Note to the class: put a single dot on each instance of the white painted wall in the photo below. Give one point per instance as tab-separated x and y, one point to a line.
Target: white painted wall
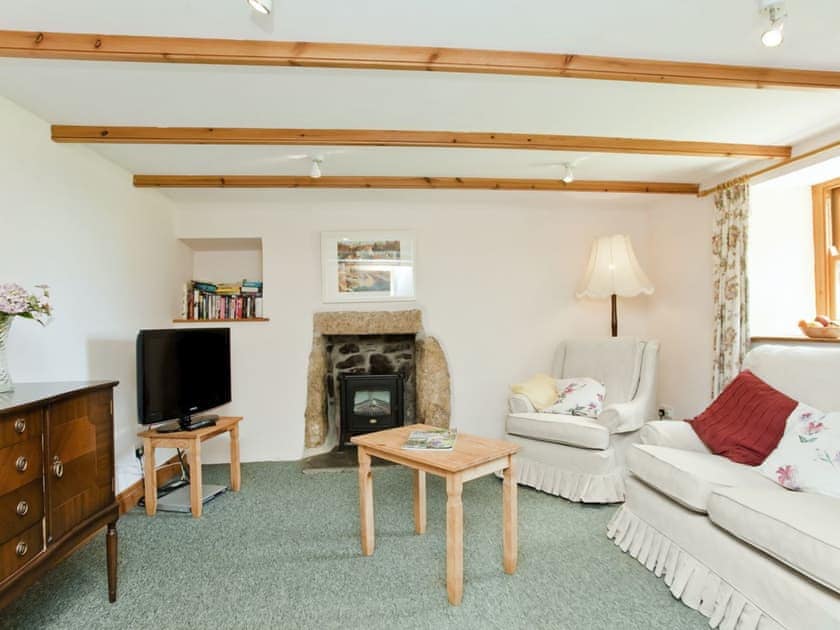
71	219
681	314
496	276
227	265
781	257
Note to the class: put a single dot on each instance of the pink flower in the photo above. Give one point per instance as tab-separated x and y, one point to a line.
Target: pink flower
814	427
786	476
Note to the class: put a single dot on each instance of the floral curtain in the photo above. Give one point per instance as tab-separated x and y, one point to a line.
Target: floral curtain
729	250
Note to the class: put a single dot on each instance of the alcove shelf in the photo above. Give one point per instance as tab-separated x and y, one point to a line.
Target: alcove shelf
222	261
219	321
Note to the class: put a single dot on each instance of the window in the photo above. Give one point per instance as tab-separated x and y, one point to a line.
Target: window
827	247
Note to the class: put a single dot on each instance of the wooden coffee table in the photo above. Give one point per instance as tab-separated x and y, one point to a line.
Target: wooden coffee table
471	458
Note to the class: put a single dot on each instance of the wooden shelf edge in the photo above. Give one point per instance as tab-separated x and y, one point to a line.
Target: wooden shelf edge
219	321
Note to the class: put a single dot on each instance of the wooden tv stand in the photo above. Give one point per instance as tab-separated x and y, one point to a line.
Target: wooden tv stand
191	442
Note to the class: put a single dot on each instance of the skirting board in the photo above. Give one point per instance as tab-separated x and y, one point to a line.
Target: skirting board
130	497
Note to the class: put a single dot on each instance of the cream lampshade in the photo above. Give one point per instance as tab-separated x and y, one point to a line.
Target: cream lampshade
613	271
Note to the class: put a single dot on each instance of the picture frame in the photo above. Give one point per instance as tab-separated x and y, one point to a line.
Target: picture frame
367	266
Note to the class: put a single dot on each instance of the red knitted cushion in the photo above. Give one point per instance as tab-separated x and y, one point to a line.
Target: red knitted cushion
747	420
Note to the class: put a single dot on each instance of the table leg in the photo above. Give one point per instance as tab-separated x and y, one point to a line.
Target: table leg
419	502
366	502
511	534
149	477
194	459
454	539
235	478
111	552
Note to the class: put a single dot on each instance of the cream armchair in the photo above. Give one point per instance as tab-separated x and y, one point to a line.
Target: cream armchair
582	459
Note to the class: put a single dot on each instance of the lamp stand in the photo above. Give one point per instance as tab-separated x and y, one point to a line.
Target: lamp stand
614	303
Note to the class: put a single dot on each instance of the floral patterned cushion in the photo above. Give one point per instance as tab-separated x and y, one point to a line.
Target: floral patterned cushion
579	397
808	455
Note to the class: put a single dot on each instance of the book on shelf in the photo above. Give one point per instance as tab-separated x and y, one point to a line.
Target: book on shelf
222	301
433	440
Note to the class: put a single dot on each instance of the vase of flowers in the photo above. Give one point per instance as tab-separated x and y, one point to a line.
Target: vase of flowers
15	301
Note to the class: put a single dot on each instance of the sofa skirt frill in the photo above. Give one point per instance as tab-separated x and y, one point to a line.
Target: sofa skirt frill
574	486
689	580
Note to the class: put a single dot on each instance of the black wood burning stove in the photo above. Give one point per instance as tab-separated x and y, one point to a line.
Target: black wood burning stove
369	402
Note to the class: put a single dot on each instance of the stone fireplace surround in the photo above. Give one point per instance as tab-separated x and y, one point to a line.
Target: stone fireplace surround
431	403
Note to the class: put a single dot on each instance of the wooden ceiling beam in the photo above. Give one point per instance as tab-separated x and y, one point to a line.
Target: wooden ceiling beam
395	138
448	183
141	48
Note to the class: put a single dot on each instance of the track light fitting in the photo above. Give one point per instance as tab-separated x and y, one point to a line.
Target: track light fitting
262	7
776	12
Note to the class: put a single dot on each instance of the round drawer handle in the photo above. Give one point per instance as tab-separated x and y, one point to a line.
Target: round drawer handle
20	425
58	467
21	464
21	549
22	508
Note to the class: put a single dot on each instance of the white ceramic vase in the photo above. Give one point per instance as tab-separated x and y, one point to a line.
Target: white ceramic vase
6	384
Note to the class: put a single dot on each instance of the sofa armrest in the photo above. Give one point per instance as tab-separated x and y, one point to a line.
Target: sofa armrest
623	417
519	403
676	434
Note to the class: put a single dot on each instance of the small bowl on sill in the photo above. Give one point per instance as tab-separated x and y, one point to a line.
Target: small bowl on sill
821	332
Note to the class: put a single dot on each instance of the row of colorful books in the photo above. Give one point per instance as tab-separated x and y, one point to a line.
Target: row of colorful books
210	301
246	287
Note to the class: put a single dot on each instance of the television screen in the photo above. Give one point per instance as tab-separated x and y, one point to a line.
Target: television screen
181	372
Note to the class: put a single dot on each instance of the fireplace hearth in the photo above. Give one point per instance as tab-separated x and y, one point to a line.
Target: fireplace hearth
369	402
372	343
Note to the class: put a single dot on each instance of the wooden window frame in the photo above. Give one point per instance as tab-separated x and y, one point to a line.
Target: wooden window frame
826	204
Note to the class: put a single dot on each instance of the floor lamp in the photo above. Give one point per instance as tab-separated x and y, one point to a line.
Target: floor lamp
613	271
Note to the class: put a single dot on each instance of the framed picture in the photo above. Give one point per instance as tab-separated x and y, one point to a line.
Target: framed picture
369	266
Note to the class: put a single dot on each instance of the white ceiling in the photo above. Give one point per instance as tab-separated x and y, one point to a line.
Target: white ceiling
725	31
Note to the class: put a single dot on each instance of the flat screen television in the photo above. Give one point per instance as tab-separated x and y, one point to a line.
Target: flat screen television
181	373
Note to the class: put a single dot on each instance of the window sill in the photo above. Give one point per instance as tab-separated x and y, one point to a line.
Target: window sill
791	339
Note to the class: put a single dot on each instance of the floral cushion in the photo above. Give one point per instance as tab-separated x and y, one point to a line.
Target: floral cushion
808	455
582	396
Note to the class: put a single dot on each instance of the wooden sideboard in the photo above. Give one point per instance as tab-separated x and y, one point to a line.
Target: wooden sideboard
56	478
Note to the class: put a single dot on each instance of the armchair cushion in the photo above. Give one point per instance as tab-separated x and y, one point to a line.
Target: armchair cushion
558	428
579	397
541	390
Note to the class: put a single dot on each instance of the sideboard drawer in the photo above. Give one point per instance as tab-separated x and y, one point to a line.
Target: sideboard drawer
20	550
21	509
20	464
19	427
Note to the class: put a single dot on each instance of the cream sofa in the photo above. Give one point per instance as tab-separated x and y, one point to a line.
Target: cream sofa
578	458
729	542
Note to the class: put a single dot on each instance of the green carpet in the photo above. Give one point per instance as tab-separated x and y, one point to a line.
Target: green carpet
284	553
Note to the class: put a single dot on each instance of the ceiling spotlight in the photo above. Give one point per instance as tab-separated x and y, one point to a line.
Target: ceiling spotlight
569	175
315	171
261	6
776	13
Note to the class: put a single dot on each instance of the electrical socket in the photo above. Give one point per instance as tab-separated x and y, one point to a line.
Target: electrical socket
138	452
666	412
